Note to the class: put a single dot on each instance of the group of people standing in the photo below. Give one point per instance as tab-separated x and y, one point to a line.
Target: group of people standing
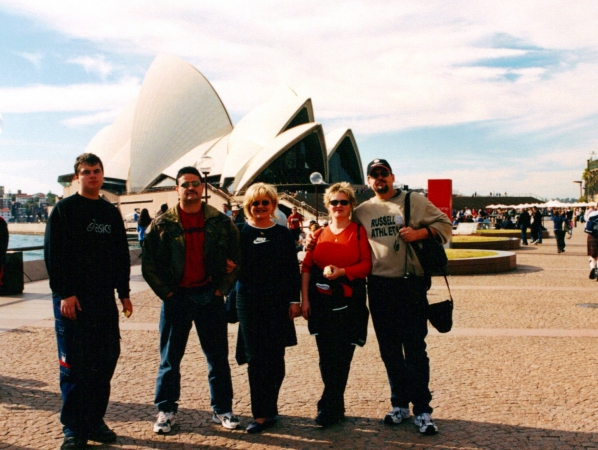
194	256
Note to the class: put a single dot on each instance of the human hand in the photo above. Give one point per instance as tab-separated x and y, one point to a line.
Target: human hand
230	266
334	272
294	310
408	234
69	307
305	309
127	307
310	242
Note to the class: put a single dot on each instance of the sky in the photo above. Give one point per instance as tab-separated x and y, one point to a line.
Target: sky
499	96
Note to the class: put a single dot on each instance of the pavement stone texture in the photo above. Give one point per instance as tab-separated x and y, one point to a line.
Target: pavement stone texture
518	371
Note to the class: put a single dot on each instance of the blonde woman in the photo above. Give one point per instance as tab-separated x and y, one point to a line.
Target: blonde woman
334	299
267	302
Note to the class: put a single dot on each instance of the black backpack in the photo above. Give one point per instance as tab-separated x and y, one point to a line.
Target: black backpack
592	226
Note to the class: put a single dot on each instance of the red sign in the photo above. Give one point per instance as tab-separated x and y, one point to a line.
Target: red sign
440	193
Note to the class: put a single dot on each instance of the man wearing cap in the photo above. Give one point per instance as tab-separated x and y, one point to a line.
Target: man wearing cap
397	290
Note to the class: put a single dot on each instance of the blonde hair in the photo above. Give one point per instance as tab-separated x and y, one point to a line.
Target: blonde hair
259	190
344	188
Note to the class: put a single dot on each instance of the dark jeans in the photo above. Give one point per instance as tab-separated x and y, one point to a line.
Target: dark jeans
524	234
537	234
560	239
88	349
178	314
336	352
399	312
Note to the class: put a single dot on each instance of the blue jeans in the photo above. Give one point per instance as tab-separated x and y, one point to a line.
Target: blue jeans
399	308
88	350
524	235
178	314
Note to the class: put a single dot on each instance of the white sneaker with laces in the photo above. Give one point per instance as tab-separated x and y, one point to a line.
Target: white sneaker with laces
164	422
425	424
396	416
227	420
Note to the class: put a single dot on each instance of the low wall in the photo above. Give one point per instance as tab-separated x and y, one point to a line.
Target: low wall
499	244
503	262
27	228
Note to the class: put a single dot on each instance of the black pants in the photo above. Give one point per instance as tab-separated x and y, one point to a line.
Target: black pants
560	239
264	352
399	309
88	350
336	353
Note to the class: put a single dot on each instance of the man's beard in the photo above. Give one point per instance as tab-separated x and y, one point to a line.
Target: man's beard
382	189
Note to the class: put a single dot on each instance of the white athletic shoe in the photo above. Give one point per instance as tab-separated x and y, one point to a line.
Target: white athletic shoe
425	424
227	420
396	416
164	422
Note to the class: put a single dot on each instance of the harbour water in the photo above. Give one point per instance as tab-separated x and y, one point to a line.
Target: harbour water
36	240
27	240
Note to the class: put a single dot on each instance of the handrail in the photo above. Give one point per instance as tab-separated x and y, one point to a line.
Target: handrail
302	204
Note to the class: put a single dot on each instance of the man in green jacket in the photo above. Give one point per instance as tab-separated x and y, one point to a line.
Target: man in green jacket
187	259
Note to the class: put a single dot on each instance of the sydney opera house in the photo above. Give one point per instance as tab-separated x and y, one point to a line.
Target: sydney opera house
179	117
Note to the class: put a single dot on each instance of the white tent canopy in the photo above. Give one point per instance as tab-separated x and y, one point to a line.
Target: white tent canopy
548	204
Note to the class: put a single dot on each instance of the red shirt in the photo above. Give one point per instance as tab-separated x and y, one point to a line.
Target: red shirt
343	250
295	221
194	272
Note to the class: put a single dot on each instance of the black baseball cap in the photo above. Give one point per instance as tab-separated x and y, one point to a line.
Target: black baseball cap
377	163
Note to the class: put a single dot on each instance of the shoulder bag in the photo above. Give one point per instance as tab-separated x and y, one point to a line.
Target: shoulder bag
434	261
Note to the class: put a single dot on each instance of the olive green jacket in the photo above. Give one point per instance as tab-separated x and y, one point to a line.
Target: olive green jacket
163	257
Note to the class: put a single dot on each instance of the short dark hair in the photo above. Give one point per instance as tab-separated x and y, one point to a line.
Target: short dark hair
88	158
188	169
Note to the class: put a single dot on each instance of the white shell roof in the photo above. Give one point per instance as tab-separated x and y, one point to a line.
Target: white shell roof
177	110
118	166
260	126
191	158
273	150
335	138
109	141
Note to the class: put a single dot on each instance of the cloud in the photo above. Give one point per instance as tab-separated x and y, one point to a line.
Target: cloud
378	65
76	97
94	64
33	58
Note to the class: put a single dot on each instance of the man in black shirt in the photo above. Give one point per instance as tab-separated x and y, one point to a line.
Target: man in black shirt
87	258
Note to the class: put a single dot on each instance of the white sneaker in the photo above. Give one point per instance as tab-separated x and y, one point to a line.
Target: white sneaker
164	422
425	424
227	420
396	416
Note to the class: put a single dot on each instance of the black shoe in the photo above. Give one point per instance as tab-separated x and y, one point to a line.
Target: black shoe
102	434
325	419
256	427
73	443
592	274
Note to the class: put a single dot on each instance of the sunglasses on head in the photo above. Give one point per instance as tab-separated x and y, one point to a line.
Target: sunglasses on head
186	184
336	202
263	203
377	173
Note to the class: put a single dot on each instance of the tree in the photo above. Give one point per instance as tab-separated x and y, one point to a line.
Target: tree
51	198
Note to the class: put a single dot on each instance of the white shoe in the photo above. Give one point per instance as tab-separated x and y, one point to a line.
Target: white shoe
396	416
227	420
164	422
425	424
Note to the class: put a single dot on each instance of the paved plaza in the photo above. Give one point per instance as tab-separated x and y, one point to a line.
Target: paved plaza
519	371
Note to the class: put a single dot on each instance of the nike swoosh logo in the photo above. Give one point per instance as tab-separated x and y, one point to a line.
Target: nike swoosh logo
260	241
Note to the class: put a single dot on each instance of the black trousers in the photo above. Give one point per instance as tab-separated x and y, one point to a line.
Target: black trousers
264	352
399	308
88	350
336	353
